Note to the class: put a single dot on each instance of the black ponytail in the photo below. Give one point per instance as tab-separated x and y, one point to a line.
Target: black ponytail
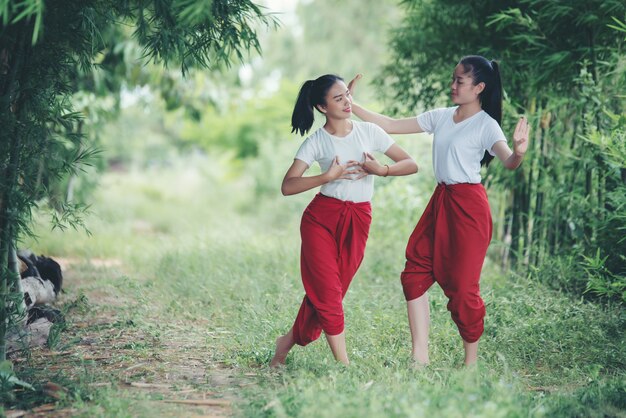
488	72
312	94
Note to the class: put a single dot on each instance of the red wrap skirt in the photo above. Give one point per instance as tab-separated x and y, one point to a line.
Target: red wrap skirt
334	233
448	246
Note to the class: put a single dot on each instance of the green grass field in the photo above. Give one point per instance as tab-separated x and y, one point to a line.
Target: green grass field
191	273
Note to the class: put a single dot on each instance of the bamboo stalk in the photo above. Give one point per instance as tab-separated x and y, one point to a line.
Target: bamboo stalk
7	211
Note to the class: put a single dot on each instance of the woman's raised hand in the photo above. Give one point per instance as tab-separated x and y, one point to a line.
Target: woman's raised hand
352	83
520	137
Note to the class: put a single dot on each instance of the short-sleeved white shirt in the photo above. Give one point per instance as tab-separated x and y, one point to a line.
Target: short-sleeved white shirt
458	148
323	147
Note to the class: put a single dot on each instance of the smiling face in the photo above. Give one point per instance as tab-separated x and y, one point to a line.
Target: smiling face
462	88
338	102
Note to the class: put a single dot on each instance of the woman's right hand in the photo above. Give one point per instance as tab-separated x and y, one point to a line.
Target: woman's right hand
352	83
338	171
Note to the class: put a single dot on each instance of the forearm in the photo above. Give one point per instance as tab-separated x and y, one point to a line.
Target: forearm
402	168
295	185
373	117
513	161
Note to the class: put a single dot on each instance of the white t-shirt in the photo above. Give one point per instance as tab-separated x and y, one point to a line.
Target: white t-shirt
458	148
322	147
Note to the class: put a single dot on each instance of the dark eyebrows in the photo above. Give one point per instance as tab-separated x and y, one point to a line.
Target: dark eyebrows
461	76
339	95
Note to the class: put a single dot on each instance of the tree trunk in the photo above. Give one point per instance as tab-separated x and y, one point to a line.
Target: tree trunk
16	282
9	210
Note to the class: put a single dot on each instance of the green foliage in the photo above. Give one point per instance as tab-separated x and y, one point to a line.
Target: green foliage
194	35
46	45
562	65
601	281
13	12
241	125
9	382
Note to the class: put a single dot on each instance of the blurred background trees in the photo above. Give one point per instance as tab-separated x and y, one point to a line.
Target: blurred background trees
57	57
85	91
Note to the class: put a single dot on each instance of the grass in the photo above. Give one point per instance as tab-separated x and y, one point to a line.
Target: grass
188	279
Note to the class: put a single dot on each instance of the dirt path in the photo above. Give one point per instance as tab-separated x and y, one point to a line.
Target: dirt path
165	366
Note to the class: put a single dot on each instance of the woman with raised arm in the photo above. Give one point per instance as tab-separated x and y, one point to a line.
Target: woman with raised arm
335	225
450	241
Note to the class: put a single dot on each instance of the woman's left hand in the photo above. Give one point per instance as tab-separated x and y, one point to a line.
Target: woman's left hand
520	137
370	165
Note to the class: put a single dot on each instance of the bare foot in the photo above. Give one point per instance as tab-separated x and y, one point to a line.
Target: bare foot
420	356
420	362
283	345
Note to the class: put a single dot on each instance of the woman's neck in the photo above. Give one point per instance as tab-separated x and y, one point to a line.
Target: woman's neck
338	127
467	110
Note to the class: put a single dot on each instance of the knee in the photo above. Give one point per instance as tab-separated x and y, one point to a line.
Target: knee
415	284
332	322
466	307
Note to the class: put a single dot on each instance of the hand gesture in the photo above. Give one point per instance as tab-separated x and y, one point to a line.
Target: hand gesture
352	83
342	171
520	137
370	165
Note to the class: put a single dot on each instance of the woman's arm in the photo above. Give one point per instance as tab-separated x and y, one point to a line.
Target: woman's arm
389	125
294	183
512	159
403	163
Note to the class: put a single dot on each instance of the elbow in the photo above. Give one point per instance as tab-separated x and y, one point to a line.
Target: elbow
286	190
413	167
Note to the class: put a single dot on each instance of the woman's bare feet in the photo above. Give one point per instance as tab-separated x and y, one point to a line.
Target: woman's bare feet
420	360
284	343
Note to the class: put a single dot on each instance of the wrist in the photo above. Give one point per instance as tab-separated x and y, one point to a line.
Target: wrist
385	171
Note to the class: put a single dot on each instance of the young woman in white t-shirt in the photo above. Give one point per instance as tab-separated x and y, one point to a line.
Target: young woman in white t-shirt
450	241
335	225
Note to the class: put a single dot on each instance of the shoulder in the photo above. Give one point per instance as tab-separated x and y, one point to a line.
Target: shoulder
430	120
489	122
437	113
366	126
372	133
315	137
312	142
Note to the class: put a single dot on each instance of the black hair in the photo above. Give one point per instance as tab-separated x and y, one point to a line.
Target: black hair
488	72
312	93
